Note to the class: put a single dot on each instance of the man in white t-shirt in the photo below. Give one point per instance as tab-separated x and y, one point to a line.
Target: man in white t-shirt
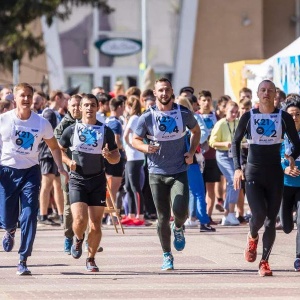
21	131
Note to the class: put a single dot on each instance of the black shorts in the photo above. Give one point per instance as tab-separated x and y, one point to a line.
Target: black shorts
115	170
91	190
48	166
211	172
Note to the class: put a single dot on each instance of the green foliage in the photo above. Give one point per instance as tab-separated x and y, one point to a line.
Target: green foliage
16	39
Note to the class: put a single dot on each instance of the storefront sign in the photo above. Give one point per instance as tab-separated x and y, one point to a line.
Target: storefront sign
119	46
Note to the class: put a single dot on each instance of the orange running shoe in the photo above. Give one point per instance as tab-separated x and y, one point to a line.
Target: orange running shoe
250	251
264	269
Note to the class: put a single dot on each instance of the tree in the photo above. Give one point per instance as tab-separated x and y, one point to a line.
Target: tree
16	39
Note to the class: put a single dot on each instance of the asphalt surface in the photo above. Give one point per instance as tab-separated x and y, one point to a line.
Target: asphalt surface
210	267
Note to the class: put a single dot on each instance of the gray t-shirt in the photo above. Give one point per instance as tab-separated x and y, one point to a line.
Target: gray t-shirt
169	159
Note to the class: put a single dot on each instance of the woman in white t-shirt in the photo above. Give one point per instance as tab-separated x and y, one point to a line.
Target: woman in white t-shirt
134	174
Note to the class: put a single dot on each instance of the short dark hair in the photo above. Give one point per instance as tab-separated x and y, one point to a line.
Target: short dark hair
114	103
291	103
90	97
281	93
148	94
102	98
163	79
267	80
204	93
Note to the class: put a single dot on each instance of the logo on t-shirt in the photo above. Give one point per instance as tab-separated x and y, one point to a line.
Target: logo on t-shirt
208	122
88	136
167	124
265	127
24	139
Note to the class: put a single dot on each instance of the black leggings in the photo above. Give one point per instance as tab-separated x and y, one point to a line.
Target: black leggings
133	172
291	198
264	187
169	190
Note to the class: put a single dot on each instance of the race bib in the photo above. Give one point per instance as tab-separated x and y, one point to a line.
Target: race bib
24	140
167	125
266	129
88	138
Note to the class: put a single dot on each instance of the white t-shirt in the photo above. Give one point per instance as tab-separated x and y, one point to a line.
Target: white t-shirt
132	153
20	139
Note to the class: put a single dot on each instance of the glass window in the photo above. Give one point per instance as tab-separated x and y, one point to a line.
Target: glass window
84	81
76	38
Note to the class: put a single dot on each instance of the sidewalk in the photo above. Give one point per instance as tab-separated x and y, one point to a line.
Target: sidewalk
211	267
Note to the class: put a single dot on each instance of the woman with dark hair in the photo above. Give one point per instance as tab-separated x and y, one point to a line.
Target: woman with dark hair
134	174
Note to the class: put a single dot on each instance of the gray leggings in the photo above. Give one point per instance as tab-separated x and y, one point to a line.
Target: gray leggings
169	190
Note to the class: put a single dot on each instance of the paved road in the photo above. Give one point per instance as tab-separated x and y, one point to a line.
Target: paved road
211	267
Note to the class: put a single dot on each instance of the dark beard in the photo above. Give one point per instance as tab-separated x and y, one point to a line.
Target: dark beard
166	102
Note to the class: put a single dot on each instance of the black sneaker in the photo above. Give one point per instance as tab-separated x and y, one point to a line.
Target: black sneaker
76	249
91	265
242	220
207	228
48	222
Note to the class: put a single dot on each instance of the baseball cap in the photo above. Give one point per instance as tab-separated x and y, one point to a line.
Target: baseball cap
187	89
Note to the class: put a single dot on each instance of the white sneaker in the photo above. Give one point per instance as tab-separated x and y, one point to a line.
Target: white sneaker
191	223
230	220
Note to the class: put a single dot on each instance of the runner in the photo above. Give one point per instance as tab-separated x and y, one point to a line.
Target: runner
21	131
90	141
164	128
264	128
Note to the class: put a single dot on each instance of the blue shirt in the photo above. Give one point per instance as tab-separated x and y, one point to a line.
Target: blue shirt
169	159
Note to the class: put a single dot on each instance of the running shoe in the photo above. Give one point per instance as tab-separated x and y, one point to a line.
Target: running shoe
91	265
22	269
76	249
68	245
8	240
127	221
219	207
242	220
191	223
48	222
179	240
168	261
250	252
207	228
230	220
297	265
138	222
264	269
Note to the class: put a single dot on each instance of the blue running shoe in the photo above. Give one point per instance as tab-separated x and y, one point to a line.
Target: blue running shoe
22	269
167	261
91	265
76	249
8	240
297	265
68	245
179	240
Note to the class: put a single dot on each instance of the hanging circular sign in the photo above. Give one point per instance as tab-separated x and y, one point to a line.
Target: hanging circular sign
119	46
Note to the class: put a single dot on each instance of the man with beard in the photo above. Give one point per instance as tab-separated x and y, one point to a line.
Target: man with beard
163	126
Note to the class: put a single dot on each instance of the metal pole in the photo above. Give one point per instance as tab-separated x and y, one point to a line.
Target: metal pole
15	71
298	18
144	33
